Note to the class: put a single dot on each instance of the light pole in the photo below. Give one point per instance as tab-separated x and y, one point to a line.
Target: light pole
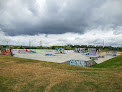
103	44
29	43
7	43
40	43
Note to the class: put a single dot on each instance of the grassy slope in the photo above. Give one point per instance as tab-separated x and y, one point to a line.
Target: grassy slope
111	63
25	75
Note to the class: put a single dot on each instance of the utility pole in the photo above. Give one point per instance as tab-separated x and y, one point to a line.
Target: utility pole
40	43
7	43
29	43
103	44
62	44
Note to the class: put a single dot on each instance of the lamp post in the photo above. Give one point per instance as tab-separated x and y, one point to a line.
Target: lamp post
103	44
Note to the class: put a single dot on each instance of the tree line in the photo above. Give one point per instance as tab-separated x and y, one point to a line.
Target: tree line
66	47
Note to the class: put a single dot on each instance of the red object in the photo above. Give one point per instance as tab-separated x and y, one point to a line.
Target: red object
10	50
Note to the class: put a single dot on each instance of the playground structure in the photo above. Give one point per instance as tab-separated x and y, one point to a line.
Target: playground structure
6	51
80	50
60	50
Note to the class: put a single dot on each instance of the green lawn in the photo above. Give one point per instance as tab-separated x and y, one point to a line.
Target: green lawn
111	63
25	75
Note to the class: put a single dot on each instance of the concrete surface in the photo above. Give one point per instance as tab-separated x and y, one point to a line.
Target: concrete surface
59	58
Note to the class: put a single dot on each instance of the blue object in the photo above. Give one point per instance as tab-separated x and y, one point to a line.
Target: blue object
48	54
81	51
114	54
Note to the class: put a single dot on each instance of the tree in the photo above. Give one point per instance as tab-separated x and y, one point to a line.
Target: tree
68	48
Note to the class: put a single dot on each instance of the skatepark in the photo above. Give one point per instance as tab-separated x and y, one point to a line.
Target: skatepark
53	56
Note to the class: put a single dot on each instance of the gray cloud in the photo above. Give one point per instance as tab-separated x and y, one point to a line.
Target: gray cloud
30	17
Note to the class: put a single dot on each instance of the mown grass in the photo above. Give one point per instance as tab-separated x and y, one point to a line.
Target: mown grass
111	63
26	75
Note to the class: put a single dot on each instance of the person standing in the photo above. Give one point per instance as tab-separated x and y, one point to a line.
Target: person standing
11	51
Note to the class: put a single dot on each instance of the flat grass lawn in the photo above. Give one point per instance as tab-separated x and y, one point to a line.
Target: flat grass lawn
25	75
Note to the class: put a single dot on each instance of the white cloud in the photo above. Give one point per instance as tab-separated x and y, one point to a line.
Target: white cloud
91	37
65	22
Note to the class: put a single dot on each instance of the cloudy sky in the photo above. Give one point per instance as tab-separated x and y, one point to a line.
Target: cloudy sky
61	22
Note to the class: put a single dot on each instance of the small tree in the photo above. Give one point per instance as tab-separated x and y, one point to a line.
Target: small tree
1	47
68	48
21	47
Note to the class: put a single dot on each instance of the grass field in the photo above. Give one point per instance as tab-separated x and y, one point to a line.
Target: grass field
25	75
